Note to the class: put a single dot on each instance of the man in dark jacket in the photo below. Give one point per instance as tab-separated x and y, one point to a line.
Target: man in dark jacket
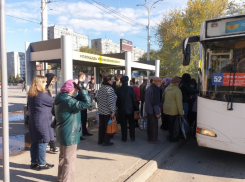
127	104
142	94
152	108
187	91
84	116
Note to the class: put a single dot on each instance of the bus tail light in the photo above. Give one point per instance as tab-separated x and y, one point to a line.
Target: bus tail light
205	132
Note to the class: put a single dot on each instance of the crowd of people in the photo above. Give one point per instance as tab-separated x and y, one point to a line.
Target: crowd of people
66	114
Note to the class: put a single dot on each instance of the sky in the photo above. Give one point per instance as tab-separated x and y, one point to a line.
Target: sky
85	17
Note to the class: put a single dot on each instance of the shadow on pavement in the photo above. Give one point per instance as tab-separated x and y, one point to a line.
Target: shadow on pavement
91	157
205	161
18	173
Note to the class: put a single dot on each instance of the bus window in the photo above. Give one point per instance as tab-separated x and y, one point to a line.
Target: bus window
224	63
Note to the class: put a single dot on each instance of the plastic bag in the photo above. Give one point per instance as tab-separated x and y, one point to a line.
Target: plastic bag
143	123
184	125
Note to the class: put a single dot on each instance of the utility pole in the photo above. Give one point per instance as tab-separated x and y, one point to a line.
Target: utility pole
44	15
149	7
4	96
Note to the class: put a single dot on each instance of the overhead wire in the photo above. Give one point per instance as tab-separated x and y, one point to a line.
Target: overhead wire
22	14
137	26
97	21
23	19
121	15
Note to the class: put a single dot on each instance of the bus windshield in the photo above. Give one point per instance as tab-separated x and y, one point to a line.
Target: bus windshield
223	70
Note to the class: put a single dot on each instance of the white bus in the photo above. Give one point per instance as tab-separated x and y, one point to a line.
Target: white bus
221	81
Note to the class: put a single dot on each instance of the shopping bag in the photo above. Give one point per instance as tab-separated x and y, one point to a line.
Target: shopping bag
112	126
184	126
136	115
143	123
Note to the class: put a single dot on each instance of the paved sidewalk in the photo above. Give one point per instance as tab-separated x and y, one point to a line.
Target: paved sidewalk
94	162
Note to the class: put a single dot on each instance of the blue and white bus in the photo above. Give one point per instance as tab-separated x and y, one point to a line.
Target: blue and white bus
221	81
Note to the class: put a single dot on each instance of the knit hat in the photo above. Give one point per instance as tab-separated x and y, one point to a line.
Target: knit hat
186	77
68	86
175	79
124	79
167	81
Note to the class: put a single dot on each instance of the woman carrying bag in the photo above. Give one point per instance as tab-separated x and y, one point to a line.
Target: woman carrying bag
107	109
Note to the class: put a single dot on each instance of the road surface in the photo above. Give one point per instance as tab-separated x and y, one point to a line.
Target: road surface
196	164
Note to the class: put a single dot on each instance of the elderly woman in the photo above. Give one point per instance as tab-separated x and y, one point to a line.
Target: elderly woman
107	108
68	127
172	106
40	106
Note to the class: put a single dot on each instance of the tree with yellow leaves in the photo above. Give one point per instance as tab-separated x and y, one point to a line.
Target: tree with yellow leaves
178	24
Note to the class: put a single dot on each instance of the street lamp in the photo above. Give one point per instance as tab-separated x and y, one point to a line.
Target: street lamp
148	7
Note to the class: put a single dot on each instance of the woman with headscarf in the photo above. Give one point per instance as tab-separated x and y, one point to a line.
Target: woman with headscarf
39	106
68	127
51	79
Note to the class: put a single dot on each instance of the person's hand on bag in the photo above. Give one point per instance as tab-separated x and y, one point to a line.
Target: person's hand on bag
112	115
158	116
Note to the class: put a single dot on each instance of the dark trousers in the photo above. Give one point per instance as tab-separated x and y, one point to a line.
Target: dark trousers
141	108
193	122
103	136
124	120
172	128
164	125
84	121
136	121
152	127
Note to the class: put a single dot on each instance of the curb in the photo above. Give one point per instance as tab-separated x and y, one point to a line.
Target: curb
146	171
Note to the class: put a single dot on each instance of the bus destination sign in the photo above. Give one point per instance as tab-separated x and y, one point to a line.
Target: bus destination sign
235	26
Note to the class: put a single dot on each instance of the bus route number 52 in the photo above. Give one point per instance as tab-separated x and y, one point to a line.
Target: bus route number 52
218	79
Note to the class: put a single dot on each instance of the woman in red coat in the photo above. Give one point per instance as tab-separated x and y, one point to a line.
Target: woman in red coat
137	93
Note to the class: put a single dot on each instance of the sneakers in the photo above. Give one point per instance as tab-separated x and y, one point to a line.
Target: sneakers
54	150
32	166
38	167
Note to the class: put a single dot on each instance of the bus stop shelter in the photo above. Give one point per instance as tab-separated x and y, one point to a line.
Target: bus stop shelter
61	51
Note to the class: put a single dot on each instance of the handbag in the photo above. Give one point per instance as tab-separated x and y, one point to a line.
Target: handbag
136	115
53	124
112	126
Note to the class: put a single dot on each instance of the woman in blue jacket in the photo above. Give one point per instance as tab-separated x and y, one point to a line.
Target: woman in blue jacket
40	105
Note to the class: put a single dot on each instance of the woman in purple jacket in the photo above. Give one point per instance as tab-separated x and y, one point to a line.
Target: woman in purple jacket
40	105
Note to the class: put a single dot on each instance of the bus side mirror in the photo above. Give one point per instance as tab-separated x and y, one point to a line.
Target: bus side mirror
187	55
